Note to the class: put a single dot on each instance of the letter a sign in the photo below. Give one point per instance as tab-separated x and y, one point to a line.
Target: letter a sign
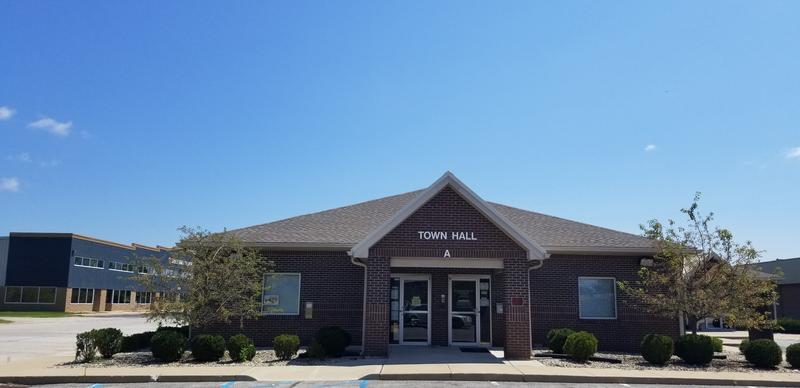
446	253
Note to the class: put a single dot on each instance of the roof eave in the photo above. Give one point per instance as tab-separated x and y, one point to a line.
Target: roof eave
590	250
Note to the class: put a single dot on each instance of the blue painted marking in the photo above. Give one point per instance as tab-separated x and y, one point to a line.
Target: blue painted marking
95	386
229	384
363	384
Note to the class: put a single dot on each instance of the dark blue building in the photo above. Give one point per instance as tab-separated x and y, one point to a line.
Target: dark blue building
70	272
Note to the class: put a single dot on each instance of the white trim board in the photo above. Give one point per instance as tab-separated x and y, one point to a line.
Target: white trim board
535	251
409	262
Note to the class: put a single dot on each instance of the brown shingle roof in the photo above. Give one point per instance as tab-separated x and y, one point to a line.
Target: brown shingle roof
347	226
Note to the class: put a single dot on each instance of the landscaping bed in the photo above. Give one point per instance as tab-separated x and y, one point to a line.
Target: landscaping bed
145	359
734	362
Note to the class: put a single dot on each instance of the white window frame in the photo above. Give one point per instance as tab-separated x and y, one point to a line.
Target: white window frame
38	294
115	263
88	266
299	290
580	312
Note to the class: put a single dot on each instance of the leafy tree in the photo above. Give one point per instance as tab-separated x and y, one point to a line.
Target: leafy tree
700	271
209	277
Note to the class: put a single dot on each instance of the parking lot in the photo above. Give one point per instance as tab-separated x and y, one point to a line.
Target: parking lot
36	338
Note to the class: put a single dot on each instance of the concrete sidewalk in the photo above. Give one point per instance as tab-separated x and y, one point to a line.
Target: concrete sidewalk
41	372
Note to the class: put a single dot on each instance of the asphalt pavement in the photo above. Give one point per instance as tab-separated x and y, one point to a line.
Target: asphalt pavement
364	384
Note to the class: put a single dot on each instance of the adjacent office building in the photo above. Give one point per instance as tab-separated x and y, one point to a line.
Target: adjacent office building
70	272
788	304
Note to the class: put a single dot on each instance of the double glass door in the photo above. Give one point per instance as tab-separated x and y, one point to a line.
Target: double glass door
410	310
470	312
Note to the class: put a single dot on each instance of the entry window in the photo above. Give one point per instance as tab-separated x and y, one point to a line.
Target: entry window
82	295
118	296
281	294
597	298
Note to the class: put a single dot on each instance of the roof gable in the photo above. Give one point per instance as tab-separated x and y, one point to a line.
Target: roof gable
448	180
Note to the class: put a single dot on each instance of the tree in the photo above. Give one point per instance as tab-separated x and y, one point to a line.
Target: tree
209	277
700	271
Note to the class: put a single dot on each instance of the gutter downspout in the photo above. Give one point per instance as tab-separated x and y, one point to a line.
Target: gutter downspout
531	268
364	305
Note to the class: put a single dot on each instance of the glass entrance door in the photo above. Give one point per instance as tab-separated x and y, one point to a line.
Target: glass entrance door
410	310
470	313
464	313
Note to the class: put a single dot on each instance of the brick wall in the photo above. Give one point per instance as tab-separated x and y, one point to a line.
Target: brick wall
554	296
329	280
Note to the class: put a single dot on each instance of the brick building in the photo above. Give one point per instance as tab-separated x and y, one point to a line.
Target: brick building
441	266
74	273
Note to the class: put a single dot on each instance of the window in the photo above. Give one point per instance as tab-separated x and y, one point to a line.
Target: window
88	262
144	297
281	294
143	269
33	295
82	295
118	296
117	266
597	298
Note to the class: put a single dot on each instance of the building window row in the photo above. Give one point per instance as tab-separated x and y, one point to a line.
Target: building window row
144	297
118	296
123	267
88	262
33	295
82	295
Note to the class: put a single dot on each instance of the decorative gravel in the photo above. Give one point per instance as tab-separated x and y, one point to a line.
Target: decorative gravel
735	362
145	359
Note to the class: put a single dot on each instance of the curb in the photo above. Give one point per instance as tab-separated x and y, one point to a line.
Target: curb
121	379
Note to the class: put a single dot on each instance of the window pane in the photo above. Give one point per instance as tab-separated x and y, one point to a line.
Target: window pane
100	264
30	294
74	297
596	298
13	294
281	294
47	295
78	261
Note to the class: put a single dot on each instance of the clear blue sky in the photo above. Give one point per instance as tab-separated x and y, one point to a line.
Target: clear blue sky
125	120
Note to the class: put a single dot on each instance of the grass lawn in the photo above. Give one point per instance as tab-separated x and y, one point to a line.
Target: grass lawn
2	321
35	314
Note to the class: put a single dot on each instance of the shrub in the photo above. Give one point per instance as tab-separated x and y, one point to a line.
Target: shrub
168	345
108	341
743	346
286	346
241	348
657	349
695	349
763	353
86	349
207	347
134	342
184	330
334	340
315	350
789	325
556	339
717	342
793	355
581	346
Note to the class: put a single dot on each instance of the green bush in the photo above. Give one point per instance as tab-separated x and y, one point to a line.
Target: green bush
717	342
241	348
184	330
581	346
657	349
168	345
286	346
315	350
695	349
789	325
207	347
763	353
86	349
793	355
135	342
108	341
334	340
743	346
556	339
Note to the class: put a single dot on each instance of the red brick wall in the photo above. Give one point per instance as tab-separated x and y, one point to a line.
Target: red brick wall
447	212
554	295
329	280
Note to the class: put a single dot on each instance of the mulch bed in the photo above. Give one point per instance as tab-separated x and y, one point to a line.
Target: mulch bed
144	359
734	362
